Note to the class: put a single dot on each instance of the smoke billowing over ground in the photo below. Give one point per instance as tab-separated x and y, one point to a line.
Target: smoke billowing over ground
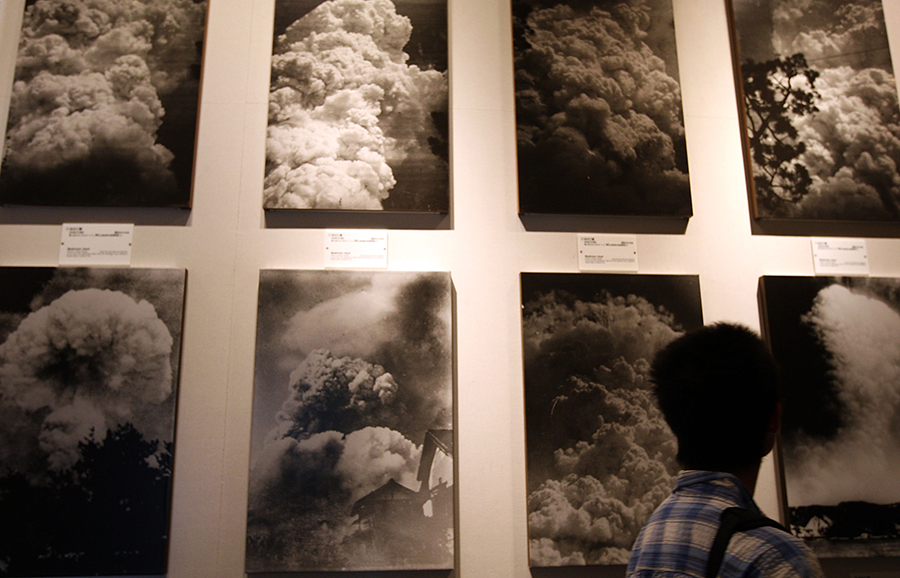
104	103
600	456
353	124
852	140
353	369
79	357
841	441
598	109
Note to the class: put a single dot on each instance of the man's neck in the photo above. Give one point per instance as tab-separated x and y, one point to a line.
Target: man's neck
748	477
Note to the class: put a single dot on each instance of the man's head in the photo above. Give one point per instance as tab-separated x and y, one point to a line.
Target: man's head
717	388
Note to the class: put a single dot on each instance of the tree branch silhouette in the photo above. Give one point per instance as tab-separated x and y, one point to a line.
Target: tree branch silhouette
775	91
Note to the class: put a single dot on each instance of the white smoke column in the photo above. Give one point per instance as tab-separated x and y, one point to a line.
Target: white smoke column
853	143
373	456
63	428
353	323
92	358
305	489
345	107
89	78
862	336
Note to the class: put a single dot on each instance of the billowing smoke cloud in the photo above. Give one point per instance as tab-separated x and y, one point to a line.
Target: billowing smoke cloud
355	322
612	326
89	79
345	108
330	463
348	425
862	461
601	457
330	447
832	32
399	320
341	394
595	103
302	493
89	360
853	145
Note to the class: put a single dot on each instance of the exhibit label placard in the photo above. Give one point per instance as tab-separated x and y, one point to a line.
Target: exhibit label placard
840	257
607	253
356	249
84	244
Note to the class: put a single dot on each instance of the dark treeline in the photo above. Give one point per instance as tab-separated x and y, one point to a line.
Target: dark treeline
106	515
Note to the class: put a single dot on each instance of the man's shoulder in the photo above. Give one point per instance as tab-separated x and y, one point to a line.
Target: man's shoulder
676	542
770	552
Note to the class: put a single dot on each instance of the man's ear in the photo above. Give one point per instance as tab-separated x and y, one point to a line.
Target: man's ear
773	429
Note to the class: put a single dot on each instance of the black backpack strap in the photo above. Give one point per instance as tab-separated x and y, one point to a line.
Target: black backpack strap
733	520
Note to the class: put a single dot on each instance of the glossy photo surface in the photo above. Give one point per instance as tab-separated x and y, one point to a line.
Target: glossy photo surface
600	128
818	105
358	106
600	456
105	104
352	446
88	381
837	342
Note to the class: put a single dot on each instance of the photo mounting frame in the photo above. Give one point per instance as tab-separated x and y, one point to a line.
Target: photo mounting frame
817	103
352	444
836	341
89	362
600	127
600	457
105	105
359	107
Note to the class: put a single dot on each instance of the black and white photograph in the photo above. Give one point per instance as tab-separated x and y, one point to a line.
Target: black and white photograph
600	457
837	343
352	444
88	377
359	106
105	104
600	127
818	108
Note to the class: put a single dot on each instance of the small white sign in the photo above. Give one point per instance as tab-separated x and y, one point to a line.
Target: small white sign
356	249
96	244
607	252
840	256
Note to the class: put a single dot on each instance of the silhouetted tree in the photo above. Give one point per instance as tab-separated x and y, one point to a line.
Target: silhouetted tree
106	515
774	92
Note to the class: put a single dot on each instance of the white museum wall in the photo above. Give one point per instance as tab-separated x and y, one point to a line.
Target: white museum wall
224	241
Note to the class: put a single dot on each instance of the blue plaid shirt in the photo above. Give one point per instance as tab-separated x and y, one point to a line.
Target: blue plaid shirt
675	542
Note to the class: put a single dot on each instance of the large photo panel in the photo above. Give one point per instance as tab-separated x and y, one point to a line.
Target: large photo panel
600	456
818	109
600	128
359	106
352	446
105	104
88	380
837	343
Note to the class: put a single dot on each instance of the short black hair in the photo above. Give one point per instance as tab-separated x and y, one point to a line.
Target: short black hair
717	388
